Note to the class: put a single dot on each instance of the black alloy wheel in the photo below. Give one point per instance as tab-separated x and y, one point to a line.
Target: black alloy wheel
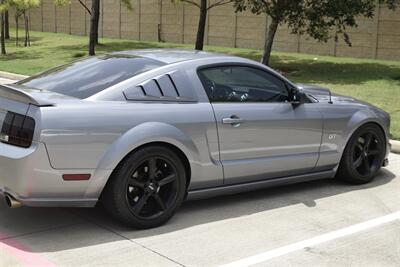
146	188
152	188
363	156
366	154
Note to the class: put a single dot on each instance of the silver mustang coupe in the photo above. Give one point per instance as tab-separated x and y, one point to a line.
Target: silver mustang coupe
141	131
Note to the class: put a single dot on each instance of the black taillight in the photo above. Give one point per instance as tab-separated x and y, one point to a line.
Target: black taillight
17	130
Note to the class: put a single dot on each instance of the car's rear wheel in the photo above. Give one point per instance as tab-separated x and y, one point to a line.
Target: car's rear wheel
146	188
363	155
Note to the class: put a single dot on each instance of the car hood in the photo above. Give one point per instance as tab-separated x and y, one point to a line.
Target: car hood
324	94
321	94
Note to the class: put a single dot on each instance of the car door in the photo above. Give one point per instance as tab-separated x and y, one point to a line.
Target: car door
261	134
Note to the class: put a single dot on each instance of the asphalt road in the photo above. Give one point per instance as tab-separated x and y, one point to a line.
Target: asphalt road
320	223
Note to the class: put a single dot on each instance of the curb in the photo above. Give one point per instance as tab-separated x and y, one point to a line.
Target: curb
395	146
12	76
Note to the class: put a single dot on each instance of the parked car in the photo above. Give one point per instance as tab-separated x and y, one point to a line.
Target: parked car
141	131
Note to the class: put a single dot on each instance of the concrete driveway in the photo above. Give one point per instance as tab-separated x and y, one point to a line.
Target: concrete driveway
321	223
284	226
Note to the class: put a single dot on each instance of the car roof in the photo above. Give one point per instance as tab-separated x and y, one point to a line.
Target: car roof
170	56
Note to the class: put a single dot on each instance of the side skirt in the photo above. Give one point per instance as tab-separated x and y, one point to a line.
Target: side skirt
238	188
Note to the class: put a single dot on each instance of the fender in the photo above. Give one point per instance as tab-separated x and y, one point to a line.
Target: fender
143	134
361	118
334	142
358	119
140	135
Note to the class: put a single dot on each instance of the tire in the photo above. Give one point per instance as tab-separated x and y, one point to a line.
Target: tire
146	188
363	155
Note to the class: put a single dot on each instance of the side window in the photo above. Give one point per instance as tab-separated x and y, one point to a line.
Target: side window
242	84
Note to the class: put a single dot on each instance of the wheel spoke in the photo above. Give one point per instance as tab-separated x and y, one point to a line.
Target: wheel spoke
160	202
368	139
366	165
152	168
140	204
169	179
357	162
359	146
136	183
373	152
132	197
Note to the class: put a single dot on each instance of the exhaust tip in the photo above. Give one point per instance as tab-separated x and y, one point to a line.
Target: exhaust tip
11	202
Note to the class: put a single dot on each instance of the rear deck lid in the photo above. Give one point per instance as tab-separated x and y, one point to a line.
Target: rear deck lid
26	95
23	95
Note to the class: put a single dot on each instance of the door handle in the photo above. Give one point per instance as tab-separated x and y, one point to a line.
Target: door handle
233	120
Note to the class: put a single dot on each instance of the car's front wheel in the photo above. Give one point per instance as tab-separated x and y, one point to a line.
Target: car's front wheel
146	188
363	155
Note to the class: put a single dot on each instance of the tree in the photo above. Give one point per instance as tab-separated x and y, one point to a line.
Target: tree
6	25
2	26
5	5
85	7
94	24
17	15
94	27
21	8
317	18
204	7
94	13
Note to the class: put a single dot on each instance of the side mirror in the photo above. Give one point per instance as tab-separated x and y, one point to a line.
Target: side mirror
295	96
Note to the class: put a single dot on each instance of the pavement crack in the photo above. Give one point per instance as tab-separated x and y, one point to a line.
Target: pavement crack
132	241
39	231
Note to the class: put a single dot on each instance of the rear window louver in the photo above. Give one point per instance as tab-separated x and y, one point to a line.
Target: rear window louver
162	88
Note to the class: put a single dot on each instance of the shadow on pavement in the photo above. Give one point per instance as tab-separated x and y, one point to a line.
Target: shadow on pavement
56	229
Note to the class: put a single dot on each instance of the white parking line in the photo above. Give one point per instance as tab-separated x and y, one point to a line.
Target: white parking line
262	257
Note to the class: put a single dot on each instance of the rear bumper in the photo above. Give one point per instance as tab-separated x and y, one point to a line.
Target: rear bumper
52	202
26	174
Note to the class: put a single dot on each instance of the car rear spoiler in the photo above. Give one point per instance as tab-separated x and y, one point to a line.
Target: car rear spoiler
22	94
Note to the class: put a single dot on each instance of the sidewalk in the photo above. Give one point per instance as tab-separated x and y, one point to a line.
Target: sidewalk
395	146
11	76
5	81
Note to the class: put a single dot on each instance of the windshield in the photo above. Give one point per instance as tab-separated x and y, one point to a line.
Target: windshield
90	76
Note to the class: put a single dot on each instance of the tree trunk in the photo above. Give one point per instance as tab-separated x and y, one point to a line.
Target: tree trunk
202	25
28	34
26	30
94	26
269	40
2	34
7	26
16	28
98	18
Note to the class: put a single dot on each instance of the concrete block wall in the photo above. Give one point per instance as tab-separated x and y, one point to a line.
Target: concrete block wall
388	34
153	20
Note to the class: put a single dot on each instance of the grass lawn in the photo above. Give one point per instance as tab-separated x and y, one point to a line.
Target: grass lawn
374	81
